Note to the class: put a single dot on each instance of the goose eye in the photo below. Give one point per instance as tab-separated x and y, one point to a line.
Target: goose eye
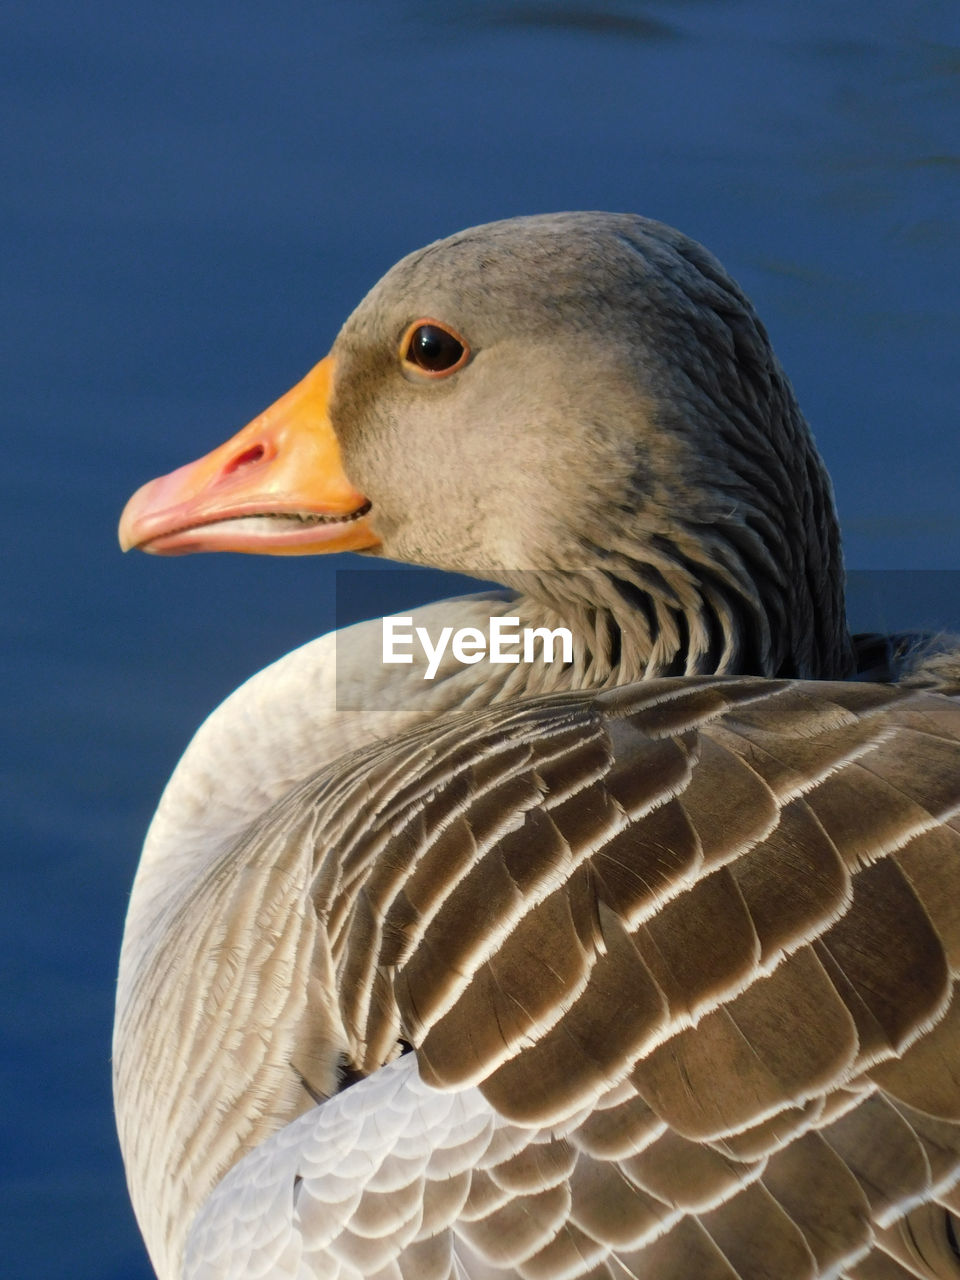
433	349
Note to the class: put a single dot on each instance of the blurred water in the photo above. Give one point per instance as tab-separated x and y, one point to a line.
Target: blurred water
195	195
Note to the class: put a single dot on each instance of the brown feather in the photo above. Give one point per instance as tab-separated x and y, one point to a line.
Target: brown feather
813	1185
888	951
930	862
780	1041
685	1252
883	1153
759	1238
927	1075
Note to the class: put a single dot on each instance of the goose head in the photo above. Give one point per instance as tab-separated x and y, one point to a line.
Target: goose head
582	405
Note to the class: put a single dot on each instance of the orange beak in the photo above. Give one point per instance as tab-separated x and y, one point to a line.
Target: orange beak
276	488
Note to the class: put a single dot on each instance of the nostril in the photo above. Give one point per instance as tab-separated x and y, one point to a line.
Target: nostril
253	454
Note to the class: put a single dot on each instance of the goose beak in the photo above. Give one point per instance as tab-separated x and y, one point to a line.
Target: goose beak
276	488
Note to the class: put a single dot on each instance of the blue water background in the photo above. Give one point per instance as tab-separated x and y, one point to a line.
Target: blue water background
193	197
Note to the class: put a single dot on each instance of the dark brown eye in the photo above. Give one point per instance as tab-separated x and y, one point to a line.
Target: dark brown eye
432	348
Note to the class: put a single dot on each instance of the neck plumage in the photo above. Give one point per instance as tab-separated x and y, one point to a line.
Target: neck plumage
688	611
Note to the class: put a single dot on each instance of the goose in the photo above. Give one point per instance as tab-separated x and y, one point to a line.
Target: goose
634	961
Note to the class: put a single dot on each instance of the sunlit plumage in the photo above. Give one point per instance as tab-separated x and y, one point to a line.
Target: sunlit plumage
671	933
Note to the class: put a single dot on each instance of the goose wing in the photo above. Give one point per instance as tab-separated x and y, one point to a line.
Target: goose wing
678	966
